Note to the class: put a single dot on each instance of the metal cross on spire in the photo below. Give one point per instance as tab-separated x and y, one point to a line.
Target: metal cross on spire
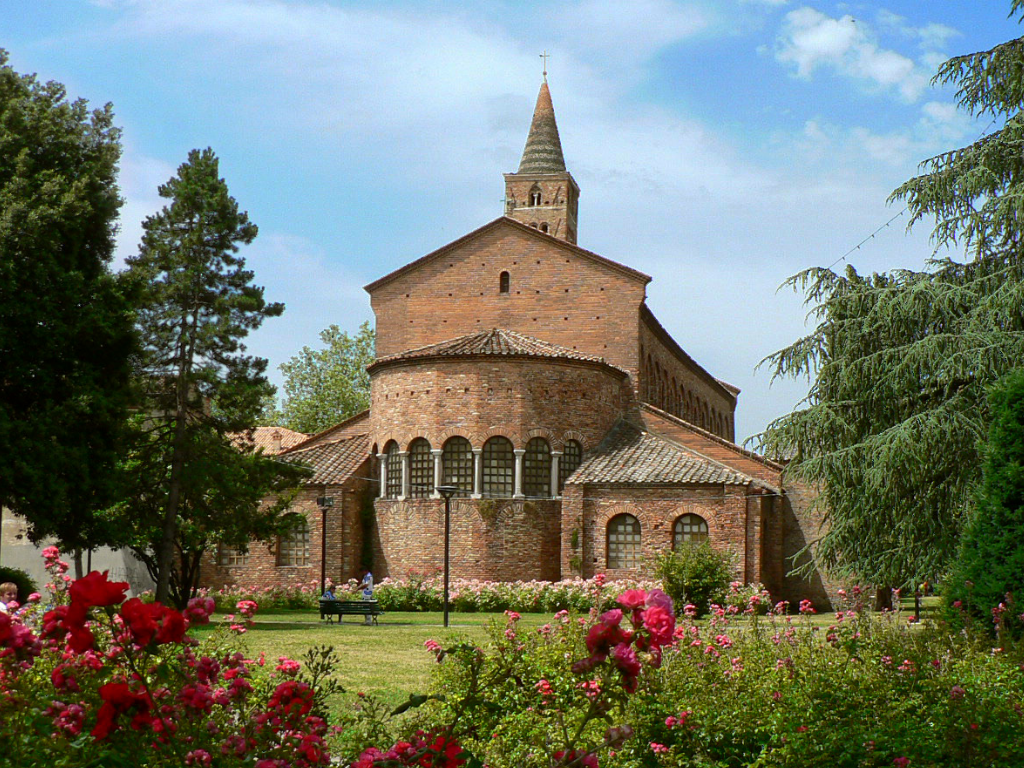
545	56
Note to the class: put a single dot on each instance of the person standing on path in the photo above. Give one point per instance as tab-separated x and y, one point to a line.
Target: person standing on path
367	586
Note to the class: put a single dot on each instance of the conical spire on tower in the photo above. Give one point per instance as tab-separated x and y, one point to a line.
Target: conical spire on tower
543	152
542	193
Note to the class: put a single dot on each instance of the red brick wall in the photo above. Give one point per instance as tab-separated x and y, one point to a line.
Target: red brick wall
558	208
555	295
344	543
657	509
676	386
518	399
497	539
803	525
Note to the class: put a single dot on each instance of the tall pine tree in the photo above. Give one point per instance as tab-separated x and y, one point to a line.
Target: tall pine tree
193	487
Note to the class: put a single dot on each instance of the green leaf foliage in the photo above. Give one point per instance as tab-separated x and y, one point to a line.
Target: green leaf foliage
695	574
326	386
900	363
990	566
65	326
190	485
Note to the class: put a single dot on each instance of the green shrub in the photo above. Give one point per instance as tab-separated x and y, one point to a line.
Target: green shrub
26	586
698	575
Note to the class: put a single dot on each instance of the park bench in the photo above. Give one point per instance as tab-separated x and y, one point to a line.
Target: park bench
339	608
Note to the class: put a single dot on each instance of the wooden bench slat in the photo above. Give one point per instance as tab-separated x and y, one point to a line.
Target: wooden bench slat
341	608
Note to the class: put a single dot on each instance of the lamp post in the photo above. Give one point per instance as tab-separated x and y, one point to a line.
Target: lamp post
325	503
447	491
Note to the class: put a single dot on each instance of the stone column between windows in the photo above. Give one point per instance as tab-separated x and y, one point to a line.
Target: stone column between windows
382	459
437	453
556	457
517	483
478	472
404	455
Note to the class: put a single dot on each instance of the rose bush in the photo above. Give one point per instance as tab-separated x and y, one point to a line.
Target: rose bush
627	687
95	679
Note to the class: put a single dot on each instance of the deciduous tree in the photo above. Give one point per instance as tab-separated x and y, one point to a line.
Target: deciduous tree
65	327
325	386
900	363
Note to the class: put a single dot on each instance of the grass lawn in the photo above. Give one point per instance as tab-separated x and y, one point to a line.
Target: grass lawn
388	660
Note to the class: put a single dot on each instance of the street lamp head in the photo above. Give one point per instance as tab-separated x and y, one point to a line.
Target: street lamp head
325	501
447	491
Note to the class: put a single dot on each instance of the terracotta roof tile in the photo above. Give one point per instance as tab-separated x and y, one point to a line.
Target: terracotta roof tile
271	439
335	462
497	341
630	455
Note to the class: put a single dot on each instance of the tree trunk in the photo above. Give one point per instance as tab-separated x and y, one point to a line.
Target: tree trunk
883	599
78	564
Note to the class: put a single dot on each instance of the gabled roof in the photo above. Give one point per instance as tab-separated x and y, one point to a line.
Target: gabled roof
632	456
499	342
505	221
700	442
543	152
333	462
270	439
348	428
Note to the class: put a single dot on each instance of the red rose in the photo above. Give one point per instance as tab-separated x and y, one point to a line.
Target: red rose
94	590
119	699
153	622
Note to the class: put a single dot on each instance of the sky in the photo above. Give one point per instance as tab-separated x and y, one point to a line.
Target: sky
721	146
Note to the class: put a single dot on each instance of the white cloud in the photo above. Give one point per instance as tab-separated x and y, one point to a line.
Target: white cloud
619	34
810	40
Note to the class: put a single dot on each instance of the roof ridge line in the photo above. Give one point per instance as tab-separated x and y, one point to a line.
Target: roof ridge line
712	436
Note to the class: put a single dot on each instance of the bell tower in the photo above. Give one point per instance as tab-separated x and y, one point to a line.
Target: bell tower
542	194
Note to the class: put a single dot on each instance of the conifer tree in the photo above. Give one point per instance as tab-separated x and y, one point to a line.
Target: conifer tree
193	487
900	363
65	328
991	561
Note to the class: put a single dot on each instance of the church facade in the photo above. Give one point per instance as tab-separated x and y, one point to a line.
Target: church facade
530	374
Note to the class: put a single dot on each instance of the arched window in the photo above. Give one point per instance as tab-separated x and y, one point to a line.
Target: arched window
421	469
503	282
535	196
543	226
689	530
624	542
394	471
457	464
293	547
572	457
499	467
537	468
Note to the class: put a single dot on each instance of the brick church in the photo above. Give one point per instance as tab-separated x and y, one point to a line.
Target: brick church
530	373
